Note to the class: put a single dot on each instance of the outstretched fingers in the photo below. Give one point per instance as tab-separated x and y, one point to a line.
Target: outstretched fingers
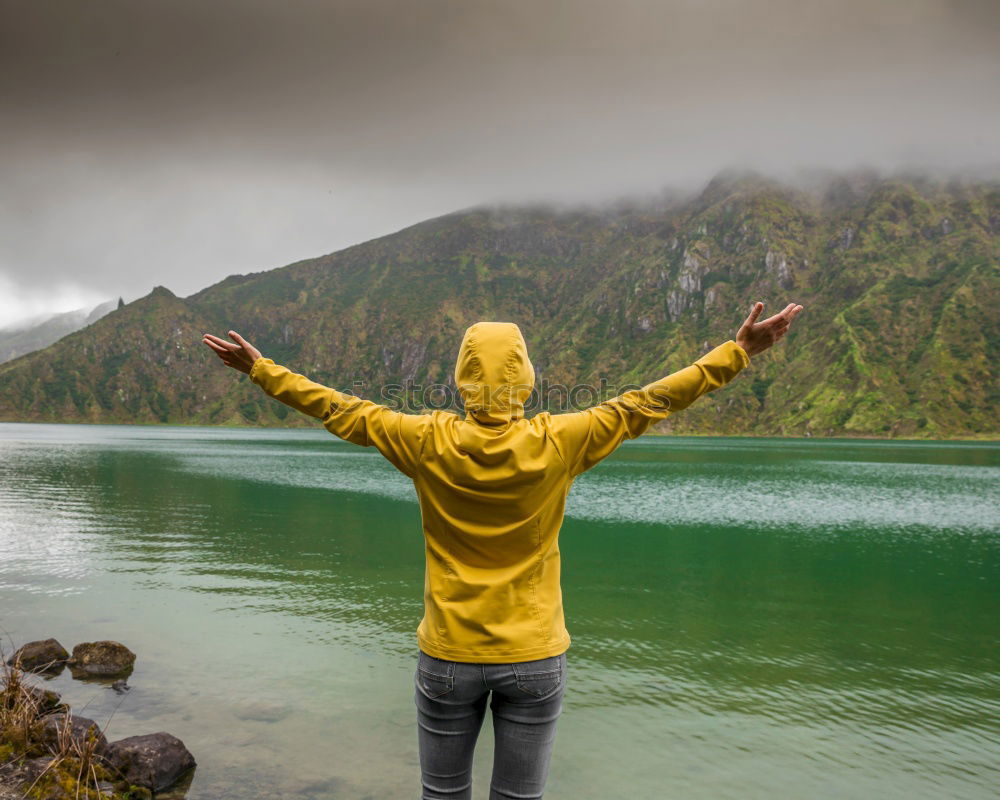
752	317
217	348
787	316
784	317
756	337
239	355
219	344
251	352
226	351
775	319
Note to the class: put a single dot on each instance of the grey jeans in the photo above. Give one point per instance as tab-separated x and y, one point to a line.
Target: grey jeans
451	703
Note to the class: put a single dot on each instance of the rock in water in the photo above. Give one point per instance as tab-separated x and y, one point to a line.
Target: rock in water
155	760
45	655
80	728
105	658
45	699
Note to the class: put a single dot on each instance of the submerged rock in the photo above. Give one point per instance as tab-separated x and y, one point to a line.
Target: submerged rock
45	655
262	711
155	760
102	659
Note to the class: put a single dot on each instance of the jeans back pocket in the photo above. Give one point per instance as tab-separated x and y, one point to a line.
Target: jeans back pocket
540	678
435	677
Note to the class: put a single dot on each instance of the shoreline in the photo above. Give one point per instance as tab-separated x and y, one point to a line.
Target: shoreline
973	437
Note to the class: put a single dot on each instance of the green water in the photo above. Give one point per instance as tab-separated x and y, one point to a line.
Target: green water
750	618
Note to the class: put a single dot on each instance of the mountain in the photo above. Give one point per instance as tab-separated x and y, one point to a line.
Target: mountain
899	336
43	331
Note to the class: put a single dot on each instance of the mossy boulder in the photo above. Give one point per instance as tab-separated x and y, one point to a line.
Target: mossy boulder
78	729
154	760
17	774
44	655
49	778
46	701
43	700
103	659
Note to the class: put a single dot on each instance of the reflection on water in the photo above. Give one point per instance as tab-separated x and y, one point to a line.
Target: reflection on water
750	618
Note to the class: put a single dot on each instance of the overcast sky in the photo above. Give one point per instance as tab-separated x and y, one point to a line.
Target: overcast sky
175	142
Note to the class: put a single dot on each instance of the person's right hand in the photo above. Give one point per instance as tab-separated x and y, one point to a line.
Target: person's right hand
755	337
239	356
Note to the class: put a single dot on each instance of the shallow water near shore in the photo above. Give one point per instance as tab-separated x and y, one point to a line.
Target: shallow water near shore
751	618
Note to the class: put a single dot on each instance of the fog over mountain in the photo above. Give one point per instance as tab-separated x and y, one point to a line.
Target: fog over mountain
177	143
36	333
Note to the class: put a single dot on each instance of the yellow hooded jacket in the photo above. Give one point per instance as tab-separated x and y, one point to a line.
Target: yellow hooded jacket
492	486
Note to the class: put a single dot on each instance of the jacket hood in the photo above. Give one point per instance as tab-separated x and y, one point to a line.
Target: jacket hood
493	374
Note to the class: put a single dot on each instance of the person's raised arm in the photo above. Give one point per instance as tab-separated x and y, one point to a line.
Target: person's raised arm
586	437
396	435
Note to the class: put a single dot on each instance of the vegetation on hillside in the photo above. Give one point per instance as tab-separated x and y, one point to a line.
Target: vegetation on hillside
899	279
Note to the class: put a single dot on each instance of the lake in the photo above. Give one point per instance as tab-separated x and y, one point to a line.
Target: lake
751	618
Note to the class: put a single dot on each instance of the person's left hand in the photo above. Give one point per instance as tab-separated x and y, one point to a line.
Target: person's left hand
239	356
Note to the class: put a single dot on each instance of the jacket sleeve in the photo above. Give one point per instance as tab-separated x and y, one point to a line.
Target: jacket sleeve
583	438
395	435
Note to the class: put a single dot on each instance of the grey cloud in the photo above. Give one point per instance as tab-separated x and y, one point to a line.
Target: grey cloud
155	142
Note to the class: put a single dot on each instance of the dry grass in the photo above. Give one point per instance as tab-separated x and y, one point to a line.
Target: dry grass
20	710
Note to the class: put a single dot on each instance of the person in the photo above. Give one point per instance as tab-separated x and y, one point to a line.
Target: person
492	488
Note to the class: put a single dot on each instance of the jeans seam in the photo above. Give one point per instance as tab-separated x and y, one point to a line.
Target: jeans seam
539	673
536	674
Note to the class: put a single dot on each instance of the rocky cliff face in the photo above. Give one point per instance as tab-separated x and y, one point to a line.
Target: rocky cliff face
899	338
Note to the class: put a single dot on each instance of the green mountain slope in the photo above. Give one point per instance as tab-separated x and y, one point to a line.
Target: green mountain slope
899	337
